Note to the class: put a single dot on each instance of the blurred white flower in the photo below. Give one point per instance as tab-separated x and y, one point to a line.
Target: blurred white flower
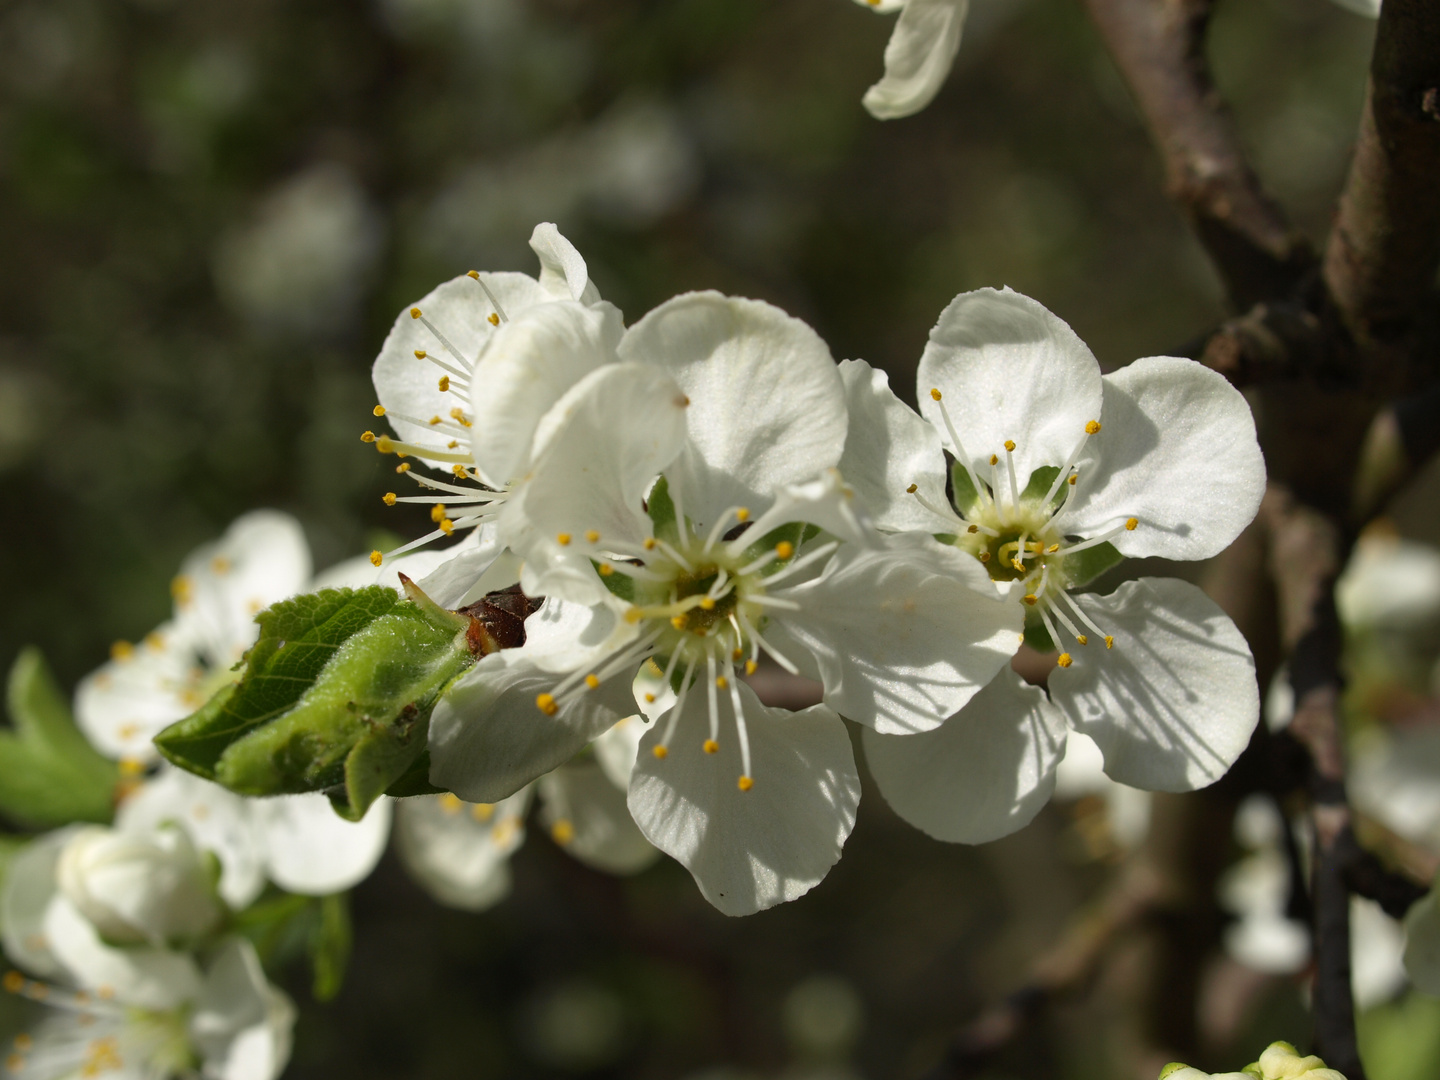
1394	777
1389	583
301	265
1081	772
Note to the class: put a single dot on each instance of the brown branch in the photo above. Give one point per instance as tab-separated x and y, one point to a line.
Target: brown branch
1384	250
1159	48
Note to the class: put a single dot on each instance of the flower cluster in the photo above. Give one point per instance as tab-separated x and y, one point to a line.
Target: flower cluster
706	490
1280	1061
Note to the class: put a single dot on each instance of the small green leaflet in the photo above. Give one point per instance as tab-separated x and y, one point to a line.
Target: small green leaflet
49	774
335	696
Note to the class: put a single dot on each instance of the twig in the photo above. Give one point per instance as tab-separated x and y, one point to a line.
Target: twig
1365	875
1159	48
1384	250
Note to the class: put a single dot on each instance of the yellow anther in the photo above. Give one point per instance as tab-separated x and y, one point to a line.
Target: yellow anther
684	401
1009	446
912	489
444	383
633	615
24	1042
437	513
155	641
649	698
1018	564
379	410
458	415
973	529
707	604
14	982
750	667
592	680
122	650
1052	549
458	470
742	514
1083	640
934	393
482	811
660	752
181	588
105	993
375	558
606	569
1131	523
679	622
1064	660
1109	640
562	539
649	543
1092	427
385	444
784	549
388	498
721	682
474	275
1030	599
420	354
452	444
736	653
1073	477
591	536
494	319
367	436
546	704
984	556
403	467
562	832
450	803
994	459
745	783
447	526
435	420
711	746
414	312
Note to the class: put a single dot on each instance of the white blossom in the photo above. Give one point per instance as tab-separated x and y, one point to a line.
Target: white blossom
221	587
1052	462
918	56
1280	1061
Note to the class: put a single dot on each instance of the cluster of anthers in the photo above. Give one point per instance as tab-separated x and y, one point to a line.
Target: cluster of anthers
701	604
479	503
1014	535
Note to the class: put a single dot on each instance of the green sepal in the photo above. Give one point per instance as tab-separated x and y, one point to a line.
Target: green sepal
621	585
351	717
330	944
963	492
948	539
1036	636
49	774
1039	484
1085	566
1171	1069
415	780
661	508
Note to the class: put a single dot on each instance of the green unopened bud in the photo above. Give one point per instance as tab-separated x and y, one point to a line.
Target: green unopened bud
335	696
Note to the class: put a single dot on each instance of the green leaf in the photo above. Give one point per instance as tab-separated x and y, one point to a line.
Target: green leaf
336	695
1085	566
298	637
661	509
965	496
49	774
330	946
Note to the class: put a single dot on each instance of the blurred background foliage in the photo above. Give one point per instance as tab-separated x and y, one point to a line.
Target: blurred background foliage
210	213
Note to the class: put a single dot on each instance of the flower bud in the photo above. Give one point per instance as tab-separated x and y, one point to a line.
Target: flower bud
153	888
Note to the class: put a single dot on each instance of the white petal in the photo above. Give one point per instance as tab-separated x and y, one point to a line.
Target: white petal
562	271
827	502
216	820
1175	701
561	637
903	635
242	1025
750	850
477	565
460	852
1178	452
138	975
461	311
609	437
1377	950
617	749
1009	369
261	559
29	887
525	367
982	774
1422	943
123	705
311	850
587	815
1394	777
488	738
918	57
888	448
767	407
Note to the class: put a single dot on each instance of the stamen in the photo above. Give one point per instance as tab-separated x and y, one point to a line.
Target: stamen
710	694
960	455
759	641
1091	428
1010	472
474	275
741	731
799	564
679	707
416	313
1128	525
944	513
387	445
1089	622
